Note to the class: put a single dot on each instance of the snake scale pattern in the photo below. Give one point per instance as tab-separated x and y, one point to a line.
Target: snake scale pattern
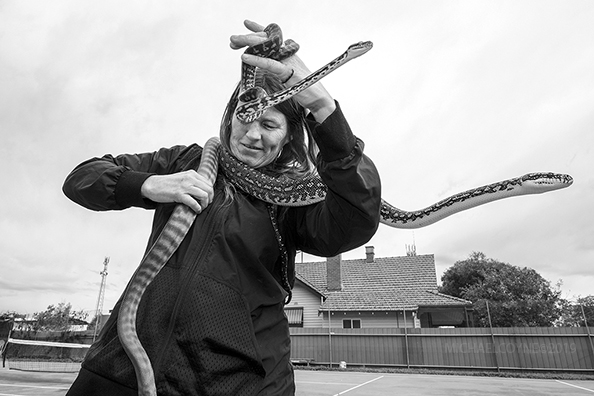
254	101
154	260
284	191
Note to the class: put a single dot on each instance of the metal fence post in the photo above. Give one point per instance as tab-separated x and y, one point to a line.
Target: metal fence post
406	340
330	335
492	336
588	331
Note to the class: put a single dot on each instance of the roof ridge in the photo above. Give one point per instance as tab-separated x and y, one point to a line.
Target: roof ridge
388	283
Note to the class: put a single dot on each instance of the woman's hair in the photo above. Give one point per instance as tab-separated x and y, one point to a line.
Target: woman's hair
297	157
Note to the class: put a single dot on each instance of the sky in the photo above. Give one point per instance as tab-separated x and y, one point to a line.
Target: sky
454	95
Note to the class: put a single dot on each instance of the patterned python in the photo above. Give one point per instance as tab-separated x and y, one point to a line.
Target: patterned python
254	101
285	192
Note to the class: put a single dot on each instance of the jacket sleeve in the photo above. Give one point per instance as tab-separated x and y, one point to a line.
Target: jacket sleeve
349	215
113	182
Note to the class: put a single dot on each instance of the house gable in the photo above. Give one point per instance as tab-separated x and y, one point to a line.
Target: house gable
377	289
309	300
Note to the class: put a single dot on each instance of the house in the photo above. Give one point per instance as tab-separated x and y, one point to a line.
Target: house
26	323
75	324
389	292
29	323
101	320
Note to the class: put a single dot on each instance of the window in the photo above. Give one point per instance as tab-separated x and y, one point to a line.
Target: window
351	323
294	316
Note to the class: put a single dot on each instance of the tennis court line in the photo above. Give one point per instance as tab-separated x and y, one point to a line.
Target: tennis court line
324	383
358	386
575	386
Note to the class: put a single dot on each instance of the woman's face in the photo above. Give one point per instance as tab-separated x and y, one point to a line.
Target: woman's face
260	142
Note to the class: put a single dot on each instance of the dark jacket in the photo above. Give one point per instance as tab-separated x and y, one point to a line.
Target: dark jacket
212	321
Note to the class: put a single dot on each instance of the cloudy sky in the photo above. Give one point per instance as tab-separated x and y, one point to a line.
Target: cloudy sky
454	95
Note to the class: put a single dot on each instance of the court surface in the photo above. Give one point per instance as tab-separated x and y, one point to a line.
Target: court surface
334	383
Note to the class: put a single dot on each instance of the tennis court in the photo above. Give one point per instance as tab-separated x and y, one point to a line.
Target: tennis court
332	383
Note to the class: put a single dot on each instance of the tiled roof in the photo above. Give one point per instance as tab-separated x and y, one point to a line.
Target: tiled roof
390	283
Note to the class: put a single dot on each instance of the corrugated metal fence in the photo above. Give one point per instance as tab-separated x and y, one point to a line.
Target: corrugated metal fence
521	348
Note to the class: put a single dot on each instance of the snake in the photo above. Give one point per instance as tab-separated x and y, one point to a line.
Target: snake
285	191
151	264
254	100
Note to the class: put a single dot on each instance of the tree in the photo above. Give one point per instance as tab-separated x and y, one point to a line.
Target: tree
572	315
58	317
516	296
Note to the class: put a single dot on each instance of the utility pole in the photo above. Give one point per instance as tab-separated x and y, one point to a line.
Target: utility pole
99	308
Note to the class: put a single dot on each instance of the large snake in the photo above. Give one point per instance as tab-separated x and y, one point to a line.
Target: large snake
153	261
254	100
285	192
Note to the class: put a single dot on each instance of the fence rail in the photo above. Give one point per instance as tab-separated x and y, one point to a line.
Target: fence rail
516	348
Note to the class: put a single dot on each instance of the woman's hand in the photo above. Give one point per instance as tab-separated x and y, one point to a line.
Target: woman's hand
315	98
189	188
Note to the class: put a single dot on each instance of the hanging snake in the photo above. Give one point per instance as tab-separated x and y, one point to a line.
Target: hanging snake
284	191
254	100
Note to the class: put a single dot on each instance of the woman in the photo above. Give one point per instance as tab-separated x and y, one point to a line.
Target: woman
212	321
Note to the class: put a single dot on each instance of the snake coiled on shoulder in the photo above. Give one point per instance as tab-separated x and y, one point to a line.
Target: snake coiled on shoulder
254	101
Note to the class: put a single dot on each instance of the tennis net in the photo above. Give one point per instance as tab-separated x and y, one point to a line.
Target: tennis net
35	355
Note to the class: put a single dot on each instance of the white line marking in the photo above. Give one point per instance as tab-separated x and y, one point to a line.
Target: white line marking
31	386
575	386
326	383
358	386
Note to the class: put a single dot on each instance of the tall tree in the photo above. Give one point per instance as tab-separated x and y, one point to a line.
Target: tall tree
515	296
58	317
572	314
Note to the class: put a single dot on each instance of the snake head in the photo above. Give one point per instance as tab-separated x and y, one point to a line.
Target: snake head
252	94
542	182
358	49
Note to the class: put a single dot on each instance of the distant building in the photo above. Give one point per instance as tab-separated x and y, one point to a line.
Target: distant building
77	325
29	323
24	324
373	292
103	320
